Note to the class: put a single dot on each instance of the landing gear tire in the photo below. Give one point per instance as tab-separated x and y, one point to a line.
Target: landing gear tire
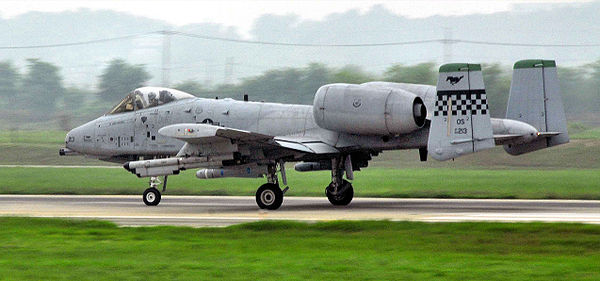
343	196
151	196
269	196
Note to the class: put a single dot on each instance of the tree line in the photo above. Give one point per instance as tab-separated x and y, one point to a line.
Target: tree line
580	85
38	95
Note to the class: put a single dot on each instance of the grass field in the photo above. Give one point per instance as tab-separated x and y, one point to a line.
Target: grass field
374	182
567	171
588	134
37	137
47	249
41	148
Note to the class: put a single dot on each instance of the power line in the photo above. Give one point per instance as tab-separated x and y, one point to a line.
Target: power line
444	40
258	42
524	44
215	38
76	43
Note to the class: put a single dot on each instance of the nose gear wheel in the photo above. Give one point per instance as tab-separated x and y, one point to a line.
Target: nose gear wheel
151	196
269	196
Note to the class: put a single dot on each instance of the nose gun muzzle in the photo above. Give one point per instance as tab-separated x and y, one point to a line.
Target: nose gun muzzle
67	152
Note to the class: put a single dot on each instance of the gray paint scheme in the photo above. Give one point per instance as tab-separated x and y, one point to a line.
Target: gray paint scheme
535	99
364	110
111	135
456	132
236	133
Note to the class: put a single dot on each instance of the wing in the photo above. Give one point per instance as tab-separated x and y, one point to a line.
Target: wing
205	133
213	146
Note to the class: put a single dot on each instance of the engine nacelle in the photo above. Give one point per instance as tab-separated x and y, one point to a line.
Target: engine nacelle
358	109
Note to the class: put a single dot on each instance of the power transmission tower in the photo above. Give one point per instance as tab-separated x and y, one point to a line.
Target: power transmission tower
448	41
208	70
229	63
166	57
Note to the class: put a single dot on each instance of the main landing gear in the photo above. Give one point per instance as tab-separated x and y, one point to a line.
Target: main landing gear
340	191
340	196
269	196
151	195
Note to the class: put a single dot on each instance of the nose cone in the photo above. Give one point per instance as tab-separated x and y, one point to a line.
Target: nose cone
81	138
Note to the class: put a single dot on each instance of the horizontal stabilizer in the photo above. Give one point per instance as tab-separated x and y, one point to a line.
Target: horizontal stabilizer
548	134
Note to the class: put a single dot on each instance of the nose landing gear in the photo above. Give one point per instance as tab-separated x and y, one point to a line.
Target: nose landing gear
269	196
152	195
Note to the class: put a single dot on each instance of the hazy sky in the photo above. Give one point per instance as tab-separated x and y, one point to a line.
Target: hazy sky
241	14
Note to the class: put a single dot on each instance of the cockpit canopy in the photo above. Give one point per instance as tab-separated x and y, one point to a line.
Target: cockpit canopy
147	97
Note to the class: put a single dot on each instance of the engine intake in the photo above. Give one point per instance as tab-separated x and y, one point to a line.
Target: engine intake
358	109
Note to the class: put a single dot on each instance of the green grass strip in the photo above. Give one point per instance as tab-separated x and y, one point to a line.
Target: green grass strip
49	249
375	182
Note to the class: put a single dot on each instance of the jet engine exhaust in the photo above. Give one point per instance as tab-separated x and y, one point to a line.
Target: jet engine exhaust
419	112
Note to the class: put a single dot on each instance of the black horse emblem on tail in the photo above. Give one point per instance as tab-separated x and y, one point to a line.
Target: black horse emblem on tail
453	80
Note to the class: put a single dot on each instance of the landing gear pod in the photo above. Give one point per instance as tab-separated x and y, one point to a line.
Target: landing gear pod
244	171
358	109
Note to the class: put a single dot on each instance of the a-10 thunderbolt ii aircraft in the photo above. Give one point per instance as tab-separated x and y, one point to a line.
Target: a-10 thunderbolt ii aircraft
157	132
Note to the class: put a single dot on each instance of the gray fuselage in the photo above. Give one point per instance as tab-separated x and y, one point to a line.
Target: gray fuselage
133	134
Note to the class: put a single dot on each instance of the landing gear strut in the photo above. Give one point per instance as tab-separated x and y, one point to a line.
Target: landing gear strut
269	196
340	191
151	195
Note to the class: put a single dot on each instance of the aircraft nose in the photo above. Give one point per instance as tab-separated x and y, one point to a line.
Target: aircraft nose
70	139
67	137
80	138
74	139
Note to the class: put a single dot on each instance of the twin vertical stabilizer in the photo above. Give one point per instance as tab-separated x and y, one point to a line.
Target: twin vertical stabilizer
461	122
535	99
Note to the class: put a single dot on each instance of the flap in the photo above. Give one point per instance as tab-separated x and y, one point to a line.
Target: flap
312	146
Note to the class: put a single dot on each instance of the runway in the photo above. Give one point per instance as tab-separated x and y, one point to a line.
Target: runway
201	211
